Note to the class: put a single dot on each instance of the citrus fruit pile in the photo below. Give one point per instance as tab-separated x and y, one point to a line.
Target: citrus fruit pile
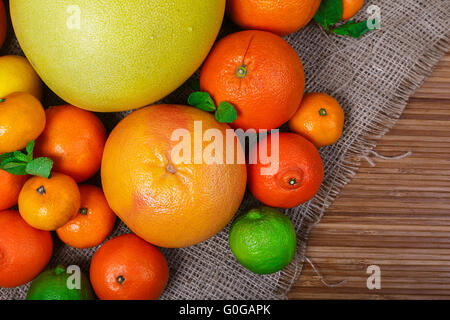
174	174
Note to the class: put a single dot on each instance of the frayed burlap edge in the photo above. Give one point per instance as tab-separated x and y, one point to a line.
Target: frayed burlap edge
359	150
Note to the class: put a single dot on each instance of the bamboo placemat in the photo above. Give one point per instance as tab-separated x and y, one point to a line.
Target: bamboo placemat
395	215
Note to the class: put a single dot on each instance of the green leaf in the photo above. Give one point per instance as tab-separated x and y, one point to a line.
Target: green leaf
352	29
19	163
202	100
226	113
19	156
17	168
40	167
329	13
30	149
8	160
6	156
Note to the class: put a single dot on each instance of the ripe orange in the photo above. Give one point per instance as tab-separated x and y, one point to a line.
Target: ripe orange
93	223
260	74
320	119
24	251
22	119
74	139
2	23
48	204
296	176
167	201
10	186
282	17
351	8
128	268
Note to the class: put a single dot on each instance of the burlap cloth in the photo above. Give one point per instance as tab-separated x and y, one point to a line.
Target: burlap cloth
372	77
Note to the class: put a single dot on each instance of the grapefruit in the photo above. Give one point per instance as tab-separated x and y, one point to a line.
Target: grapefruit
111	56
166	201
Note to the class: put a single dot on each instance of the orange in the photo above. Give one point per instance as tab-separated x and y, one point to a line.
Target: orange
260	74
2	23
22	119
93	223
320	119
282	16
48	204
128	268
10	186
74	139
351	8
24	251
165	199
295	176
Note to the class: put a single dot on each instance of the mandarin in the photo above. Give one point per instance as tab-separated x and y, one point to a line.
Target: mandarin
93	223
282	17
24	250
291	178
48	204
128	268
351	8
320	119
74	139
10	186
260	74
22	119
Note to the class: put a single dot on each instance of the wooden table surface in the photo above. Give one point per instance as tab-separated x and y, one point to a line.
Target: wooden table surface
395	215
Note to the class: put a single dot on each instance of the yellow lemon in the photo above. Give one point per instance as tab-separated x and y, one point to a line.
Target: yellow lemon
116	55
17	75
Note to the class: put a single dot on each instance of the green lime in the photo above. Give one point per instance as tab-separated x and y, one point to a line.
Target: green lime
58	284
263	240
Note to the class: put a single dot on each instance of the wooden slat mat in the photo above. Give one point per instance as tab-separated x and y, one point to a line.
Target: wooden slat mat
395	215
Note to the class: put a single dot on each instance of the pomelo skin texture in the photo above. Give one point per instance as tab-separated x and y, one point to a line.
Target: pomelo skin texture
166	202
109	56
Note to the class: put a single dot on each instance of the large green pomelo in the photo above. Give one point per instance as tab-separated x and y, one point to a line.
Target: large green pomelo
122	54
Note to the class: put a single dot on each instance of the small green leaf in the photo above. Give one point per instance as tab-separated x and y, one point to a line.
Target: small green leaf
352	29
329	13
19	163
19	156
40	167
8	160
17	168
30	149
6	156
202	100
226	113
